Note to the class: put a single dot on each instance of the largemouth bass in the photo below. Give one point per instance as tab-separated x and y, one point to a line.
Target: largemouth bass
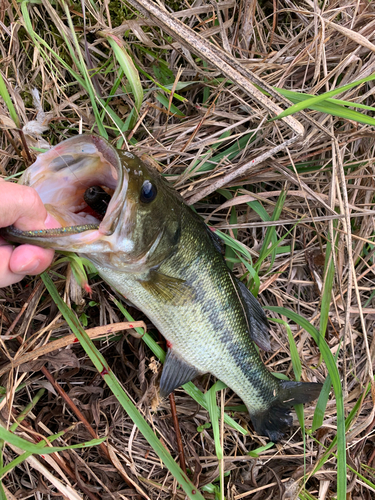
151	247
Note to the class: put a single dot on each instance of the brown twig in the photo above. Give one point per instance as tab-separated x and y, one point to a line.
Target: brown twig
13	143
25	146
139	122
74	407
180	446
274	22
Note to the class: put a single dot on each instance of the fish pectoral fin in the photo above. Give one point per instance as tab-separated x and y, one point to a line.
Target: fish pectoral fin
173	291
176	372
256	319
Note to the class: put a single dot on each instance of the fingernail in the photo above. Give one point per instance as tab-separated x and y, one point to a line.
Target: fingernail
50	222
29	267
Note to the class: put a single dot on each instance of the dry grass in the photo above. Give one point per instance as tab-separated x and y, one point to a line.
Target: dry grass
329	179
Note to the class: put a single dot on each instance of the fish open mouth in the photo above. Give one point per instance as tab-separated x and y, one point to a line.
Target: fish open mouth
64	175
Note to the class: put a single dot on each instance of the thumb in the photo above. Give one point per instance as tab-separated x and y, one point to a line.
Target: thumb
22	207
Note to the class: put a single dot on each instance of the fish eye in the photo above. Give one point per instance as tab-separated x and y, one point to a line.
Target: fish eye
148	192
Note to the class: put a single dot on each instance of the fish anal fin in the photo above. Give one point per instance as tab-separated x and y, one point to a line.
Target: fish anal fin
176	372
173	291
256	318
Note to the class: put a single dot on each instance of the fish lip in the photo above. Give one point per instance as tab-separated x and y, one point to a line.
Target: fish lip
115	207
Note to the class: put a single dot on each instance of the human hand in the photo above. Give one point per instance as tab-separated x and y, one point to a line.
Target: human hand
22	207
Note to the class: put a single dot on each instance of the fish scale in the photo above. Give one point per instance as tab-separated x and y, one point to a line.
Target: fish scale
161	256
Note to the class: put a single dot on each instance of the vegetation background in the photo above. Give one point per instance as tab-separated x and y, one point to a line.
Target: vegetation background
298	227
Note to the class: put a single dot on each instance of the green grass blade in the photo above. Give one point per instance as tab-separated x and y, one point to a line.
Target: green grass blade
127	66
321	404
244	256
214	416
79	266
334	107
8	101
80	62
40	43
296	362
301	96
329	453
15	440
320	98
18	460
258	451
165	102
271	235
297	368
301	419
335	377
166	88
146	337
259	209
116	388
230	153
236	245
27	409
323	400
84	82
254	289
49	55
21	458
329	273
2	492
20	418
362	478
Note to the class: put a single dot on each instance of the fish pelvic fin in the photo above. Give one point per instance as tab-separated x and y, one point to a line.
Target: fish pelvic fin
276	420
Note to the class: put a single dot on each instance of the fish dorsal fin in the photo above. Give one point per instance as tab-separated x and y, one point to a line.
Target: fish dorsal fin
256	319
218	242
176	372
170	290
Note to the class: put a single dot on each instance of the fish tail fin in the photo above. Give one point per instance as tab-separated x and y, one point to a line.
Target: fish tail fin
274	421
